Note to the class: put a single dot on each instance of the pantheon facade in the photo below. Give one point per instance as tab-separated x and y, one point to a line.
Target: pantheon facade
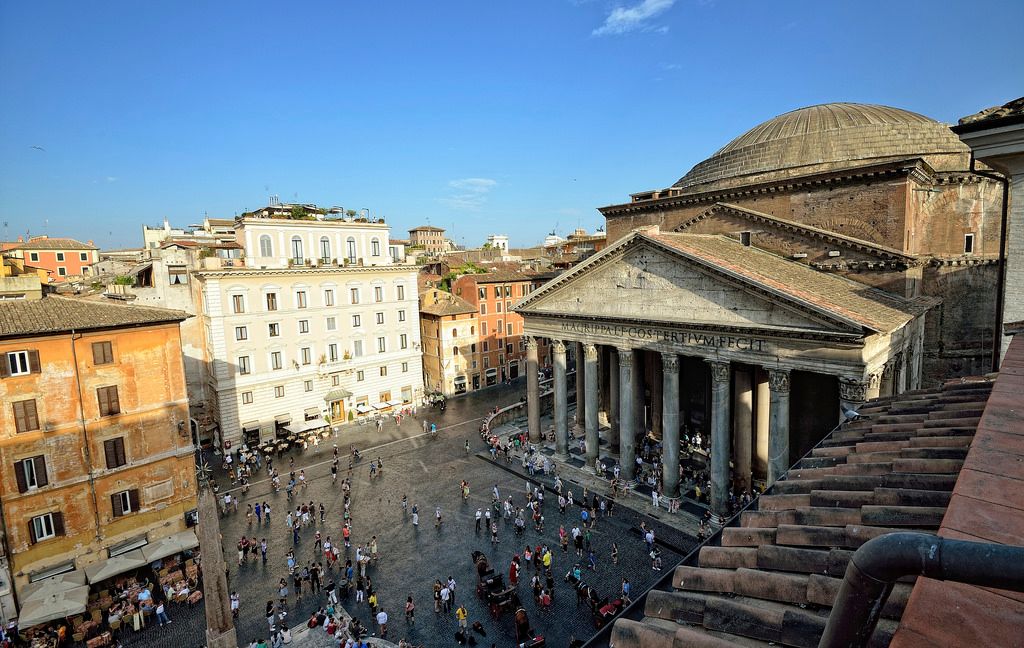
830	255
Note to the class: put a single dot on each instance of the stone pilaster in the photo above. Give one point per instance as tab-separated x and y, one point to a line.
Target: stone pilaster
720	437
561	401
670	424
613	399
627	419
532	390
852	394
591	396
581	386
778	424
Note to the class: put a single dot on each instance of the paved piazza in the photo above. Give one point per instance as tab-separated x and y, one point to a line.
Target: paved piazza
429	472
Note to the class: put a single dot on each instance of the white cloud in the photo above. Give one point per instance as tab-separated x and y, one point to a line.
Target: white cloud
636	18
470	195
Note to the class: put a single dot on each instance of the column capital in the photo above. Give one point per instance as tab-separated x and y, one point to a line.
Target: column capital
778	380
854	391
590	352
719	370
670	362
625	357
558	346
874	380
531	343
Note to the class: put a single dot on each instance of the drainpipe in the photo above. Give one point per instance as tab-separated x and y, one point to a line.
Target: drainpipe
879	562
997	329
85	437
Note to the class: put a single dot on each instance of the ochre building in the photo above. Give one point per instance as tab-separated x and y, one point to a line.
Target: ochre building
95	447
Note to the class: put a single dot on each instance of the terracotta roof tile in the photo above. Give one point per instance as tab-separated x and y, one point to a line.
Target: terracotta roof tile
869	307
61	314
775	576
53	244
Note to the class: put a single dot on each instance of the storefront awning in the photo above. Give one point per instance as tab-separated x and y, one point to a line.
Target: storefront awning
49	586
306	426
283	419
170	545
125	547
363	409
56	605
394	403
381	405
311	411
104	569
337	395
251	426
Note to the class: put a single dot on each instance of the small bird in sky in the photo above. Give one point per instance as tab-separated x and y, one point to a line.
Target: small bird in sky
38	148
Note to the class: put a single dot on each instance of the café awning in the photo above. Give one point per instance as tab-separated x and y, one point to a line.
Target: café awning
283	419
170	545
306	426
55	605
382	405
337	395
363	409
48	586
394	403
104	569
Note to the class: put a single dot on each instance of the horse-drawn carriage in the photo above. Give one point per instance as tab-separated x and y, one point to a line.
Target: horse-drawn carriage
490	587
604	609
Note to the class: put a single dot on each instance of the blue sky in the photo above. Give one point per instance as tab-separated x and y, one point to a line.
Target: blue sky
477	116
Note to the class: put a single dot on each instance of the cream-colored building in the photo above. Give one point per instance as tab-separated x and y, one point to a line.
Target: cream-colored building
448	327
318	324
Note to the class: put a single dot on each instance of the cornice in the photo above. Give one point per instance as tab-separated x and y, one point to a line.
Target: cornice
260	272
910	167
768	332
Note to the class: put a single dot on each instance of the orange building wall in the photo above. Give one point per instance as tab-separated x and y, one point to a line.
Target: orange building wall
148	371
72	263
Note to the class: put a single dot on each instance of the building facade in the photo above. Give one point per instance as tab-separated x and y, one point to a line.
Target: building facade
882	196
833	254
62	258
94	440
318	325
502	346
430	238
448	328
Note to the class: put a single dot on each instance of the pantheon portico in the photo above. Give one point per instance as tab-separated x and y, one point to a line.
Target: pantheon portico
704	334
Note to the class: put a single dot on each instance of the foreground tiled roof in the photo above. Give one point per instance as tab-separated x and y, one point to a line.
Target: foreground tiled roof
61	314
500	276
869	307
775	576
987	506
54	244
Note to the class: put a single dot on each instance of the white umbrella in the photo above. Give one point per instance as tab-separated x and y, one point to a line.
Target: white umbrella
105	569
169	546
55	605
48	586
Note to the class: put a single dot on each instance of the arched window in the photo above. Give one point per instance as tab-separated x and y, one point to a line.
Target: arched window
375	247
266	246
455	333
297	248
351	249
455	350
325	248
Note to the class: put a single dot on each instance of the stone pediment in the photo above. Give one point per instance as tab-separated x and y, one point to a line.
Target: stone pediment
640	279
811	244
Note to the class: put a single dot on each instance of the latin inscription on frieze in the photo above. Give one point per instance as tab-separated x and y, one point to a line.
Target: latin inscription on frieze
666	335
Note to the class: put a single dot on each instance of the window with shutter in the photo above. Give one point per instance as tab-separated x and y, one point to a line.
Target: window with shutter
108	401
40	466
102	353
58	523
133	499
115	504
19	474
26	418
113	450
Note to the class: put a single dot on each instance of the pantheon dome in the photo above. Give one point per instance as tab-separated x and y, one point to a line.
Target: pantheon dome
824	138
